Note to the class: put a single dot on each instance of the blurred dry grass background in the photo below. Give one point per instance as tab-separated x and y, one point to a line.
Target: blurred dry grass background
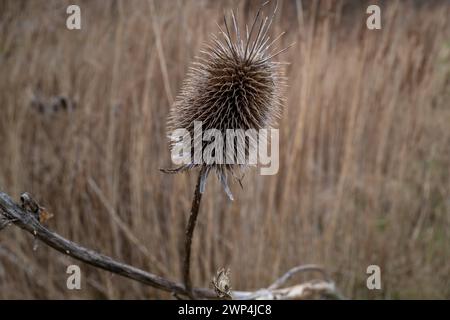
364	162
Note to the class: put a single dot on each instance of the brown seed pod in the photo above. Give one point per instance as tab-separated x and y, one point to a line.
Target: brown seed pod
235	84
222	283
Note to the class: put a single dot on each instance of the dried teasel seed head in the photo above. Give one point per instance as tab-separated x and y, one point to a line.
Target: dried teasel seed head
235	84
222	283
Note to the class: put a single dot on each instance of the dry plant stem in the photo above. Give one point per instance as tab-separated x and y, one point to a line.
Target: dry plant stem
190	232
304	268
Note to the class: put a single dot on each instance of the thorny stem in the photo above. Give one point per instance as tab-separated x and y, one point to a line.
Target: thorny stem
190	232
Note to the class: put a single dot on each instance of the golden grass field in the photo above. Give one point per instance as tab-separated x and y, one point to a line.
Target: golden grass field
364	148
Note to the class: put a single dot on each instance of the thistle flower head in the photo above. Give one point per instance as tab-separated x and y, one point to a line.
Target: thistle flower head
235	84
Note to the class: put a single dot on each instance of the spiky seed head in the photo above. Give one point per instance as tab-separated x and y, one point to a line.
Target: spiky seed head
235	84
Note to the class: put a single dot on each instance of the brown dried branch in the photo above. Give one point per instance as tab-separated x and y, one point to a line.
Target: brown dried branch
4	222
23	219
13	213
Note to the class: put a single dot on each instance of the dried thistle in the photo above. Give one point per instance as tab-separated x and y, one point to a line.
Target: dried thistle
222	283
235	84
